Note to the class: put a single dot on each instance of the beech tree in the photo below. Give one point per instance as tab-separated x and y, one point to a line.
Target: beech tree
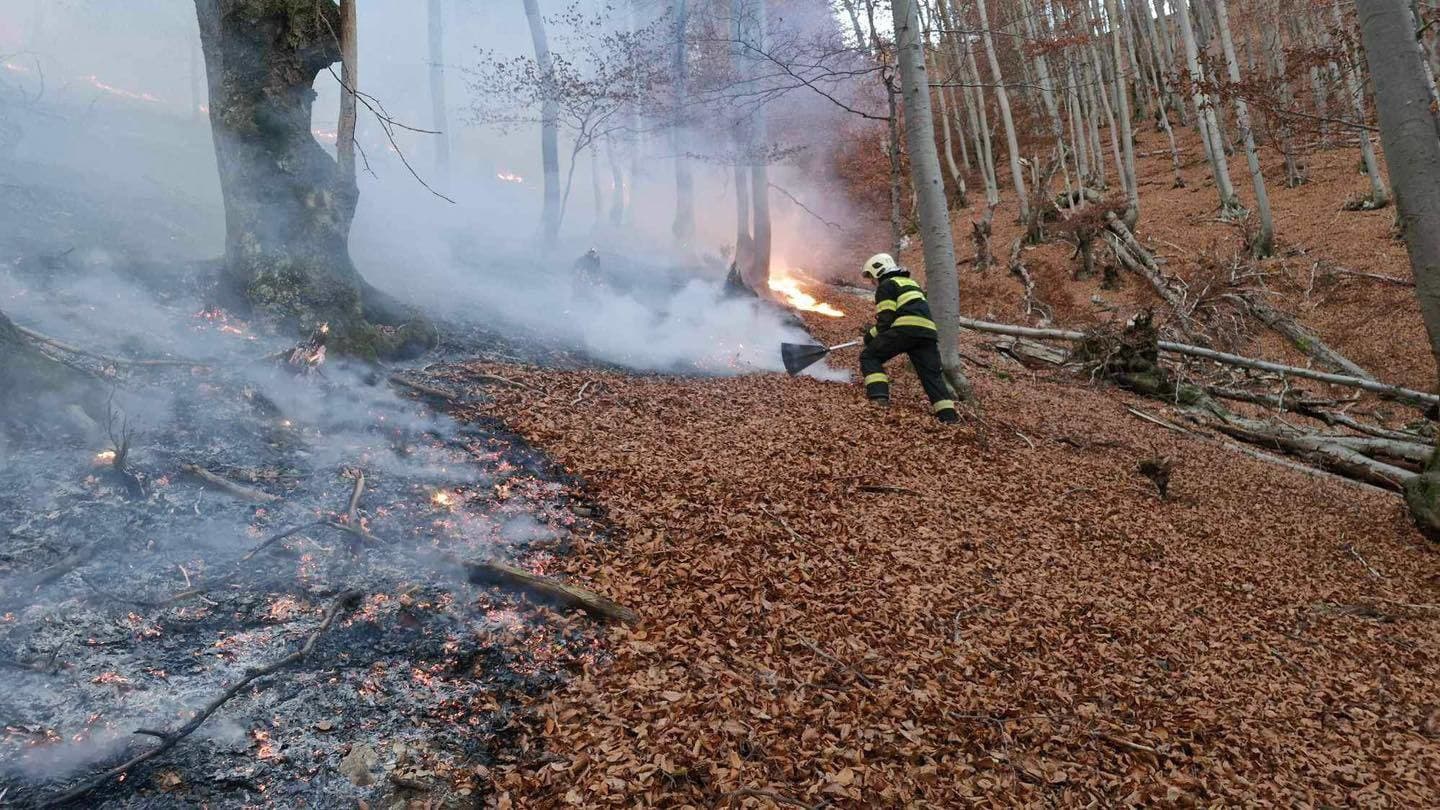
1410	135
549	122
287	202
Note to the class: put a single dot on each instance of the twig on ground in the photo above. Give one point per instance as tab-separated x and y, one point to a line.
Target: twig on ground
756	793
273	539
429	391
815	648
886	490
169	739
227	486
1396	280
786	526
581	396
1156	420
104	358
493	572
1354	552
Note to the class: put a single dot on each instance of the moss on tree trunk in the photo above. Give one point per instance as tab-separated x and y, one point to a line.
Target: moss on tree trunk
288	207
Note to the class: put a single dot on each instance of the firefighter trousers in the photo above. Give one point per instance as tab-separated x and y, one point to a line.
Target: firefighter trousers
924	355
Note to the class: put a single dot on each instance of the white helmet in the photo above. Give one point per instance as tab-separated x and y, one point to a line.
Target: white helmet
878	265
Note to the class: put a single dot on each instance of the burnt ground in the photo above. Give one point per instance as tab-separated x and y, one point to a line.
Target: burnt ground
131	599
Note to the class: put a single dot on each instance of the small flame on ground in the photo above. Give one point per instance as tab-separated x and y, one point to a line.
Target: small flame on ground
443	498
105	457
789	286
510	178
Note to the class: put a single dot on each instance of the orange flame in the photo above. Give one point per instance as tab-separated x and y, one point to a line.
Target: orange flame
510	178
788	285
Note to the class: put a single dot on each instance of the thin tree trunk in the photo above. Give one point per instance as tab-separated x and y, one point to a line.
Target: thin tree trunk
1263	243
617	184
980	125
892	147
1127	139
439	119
861	38
1205	114
683	228
1379	194
744	243
957	178
1002	97
549	123
760	168
1410	134
350	81
940	273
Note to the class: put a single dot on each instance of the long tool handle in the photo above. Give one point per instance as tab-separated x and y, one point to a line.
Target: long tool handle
845	345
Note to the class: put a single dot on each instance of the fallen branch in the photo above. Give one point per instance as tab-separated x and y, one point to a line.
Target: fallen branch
169	739
273	539
581	396
1401	282
886	490
1385	390
421	388
815	648
492	572
1138	260
227	486
52	572
756	793
104	358
1322	450
1301	337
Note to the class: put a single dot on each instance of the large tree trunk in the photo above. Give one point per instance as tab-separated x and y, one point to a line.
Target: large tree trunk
286	200
1354	87
940	273
549	122
684	226
1411	139
439	119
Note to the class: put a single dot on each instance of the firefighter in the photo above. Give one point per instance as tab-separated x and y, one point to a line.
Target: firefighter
902	326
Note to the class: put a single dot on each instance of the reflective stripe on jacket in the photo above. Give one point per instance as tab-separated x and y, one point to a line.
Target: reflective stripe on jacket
900	304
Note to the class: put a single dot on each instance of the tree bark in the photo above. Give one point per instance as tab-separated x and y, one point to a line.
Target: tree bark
1263	243
684	227
549	123
349	86
439	118
1002	97
286	200
1205	114
1127	141
1379	194
760	168
1411	139
940	272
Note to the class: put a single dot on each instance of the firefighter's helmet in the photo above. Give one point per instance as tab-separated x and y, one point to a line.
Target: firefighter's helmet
878	265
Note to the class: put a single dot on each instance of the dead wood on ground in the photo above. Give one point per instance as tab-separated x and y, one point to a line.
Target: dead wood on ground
493	572
227	486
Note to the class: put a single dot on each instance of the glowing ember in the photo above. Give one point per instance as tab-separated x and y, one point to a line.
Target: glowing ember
267	748
105	457
788	286
510	178
116	91
443	498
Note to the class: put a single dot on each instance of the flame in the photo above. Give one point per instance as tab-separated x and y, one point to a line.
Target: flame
443	498
510	178
788	285
105	457
116	91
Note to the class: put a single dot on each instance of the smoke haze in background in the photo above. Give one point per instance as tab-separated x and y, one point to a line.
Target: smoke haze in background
121	121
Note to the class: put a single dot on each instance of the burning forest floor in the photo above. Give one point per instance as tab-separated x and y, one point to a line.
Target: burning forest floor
250	507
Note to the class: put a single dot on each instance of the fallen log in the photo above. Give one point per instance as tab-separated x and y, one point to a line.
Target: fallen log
227	486
1324	451
493	572
1395	392
1299	336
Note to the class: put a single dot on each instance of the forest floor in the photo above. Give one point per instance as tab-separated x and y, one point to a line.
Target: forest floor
843	606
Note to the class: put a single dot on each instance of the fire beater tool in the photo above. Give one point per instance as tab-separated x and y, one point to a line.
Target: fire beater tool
800	356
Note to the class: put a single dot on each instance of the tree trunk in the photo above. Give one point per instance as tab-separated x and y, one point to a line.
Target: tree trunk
940	273
684	227
617	184
744	242
862	40
897	180
1411	138
1263	243
1127	142
287	233
549	123
1002	97
1379	195
439	119
1205	114
760	169
980	125
349	86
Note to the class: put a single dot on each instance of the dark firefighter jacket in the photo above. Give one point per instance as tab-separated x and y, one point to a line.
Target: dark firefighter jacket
900	305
